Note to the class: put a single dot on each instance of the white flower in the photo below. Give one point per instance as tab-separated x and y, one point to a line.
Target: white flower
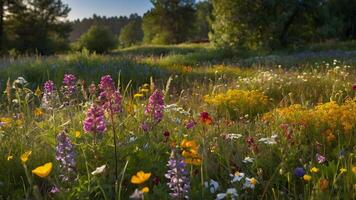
248	160
250	183
212	185
137	194
231	192
237	176
269	140
20	80
232	136
99	170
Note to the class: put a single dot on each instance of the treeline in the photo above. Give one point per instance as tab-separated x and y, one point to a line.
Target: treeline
40	26
33	26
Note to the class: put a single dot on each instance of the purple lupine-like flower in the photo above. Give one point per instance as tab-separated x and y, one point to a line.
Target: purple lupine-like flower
65	155
299	172
95	120
50	97
69	81
178	177
155	106
109	97
48	86
68	88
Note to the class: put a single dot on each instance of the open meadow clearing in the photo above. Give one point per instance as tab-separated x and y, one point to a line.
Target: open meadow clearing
177	99
146	123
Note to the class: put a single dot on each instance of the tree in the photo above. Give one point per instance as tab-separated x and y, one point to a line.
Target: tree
39	26
98	39
202	20
263	24
131	34
169	21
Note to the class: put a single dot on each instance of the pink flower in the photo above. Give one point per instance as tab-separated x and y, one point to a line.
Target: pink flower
95	120
109	97
155	106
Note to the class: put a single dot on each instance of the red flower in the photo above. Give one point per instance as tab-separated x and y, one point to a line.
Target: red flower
206	118
354	87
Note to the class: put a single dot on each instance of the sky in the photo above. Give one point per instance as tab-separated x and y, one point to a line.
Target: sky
86	8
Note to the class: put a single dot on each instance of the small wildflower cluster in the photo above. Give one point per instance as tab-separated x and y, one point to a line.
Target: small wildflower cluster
69	88
154	110
65	155
95	120
110	97
178	177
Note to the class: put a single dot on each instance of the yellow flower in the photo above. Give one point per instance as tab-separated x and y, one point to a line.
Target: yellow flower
145	190
140	177
38	92
307	177
44	170
253	181
138	95
144	90
353	169
193	161
10	157
6	121
190	152
24	156
38	112
314	170
343	170
77	134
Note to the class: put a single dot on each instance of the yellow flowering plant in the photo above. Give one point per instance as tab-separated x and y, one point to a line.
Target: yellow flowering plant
239	102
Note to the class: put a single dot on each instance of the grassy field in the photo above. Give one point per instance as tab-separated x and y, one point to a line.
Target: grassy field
171	122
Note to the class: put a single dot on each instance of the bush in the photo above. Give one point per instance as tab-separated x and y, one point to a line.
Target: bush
98	39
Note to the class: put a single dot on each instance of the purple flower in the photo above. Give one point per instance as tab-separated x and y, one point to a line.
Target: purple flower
54	190
320	158
190	124
299	172
178	177
68	88
49	86
145	126
50	97
95	120
109	97
155	106
65	155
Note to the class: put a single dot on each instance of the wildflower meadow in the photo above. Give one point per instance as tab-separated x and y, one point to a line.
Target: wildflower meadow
98	127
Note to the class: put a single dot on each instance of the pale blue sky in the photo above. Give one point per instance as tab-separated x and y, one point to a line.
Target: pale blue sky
86	8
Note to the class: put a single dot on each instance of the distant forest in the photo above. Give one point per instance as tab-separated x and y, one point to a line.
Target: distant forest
115	24
42	26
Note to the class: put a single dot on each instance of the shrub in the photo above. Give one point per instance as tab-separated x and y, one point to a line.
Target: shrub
98	39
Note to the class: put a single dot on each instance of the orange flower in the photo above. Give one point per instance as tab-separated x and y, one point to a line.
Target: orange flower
323	184
190	152
140	177
44	170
